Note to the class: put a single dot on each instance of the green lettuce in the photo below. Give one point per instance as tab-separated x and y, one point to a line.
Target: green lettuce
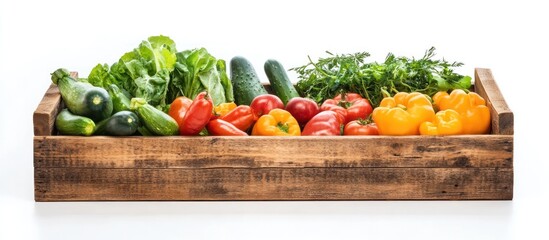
143	72
196	71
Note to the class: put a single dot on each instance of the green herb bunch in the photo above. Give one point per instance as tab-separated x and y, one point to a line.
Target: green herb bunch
333	75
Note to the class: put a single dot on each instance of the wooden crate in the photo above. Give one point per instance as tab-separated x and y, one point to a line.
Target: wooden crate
465	167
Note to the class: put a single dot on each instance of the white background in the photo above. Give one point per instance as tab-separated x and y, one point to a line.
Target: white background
510	37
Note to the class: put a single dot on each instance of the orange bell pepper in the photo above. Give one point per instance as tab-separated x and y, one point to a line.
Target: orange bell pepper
278	122
403	113
475	115
446	122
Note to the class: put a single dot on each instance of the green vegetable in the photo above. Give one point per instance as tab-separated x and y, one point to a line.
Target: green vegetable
82	98
120	101
123	123
70	124
246	83
156	121
280	83
143	72
197	71
330	76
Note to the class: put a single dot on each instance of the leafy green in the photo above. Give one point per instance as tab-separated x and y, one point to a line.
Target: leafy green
196	71
143	72
330	76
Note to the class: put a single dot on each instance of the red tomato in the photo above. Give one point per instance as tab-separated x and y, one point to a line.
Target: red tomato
179	108
360	127
351	106
264	103
302	109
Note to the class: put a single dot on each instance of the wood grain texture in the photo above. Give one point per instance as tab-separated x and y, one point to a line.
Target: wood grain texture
44	116
282	152
73	184
502	116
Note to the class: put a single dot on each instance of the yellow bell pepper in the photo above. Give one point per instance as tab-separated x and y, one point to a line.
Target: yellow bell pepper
278	122
446	122
403	113
475	115
222	109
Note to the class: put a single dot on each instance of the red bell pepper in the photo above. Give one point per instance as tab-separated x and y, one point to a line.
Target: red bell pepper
198	115
178	109
218	127
242	117
326	123
349	105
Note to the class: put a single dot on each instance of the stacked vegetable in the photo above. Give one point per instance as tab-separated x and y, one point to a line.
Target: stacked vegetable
154	90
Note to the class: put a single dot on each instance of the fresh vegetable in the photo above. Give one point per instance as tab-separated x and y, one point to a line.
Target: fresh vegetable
222	109
264	103
303	109
278	122
475	115
446	122
242	117
280	82
403	113
350	105
360	127
326	123
70	124
120	101
82	98
178	109
218	127
156	121
197	71
246	83
198	115
123	123
329	76
143	72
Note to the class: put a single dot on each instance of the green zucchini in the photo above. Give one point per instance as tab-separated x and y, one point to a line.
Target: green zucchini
123	123
280	83
155	120
68	123
246	83
120	102
82	98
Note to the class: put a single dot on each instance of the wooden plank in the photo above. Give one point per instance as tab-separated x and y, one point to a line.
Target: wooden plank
284	152
44	115
502	116
64	184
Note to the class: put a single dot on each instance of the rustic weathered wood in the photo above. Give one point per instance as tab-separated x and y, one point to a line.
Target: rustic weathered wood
502	116
44	115
464	167
70	184
280	152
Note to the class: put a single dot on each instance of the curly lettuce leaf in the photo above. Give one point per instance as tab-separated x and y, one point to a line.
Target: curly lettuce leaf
197	71
143	72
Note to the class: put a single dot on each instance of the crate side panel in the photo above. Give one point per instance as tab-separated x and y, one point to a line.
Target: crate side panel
75	184
286	152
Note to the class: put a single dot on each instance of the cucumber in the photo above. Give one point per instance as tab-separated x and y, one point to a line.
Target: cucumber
82	98
120	101
246	83
123	123
280	83
71	124
156	121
